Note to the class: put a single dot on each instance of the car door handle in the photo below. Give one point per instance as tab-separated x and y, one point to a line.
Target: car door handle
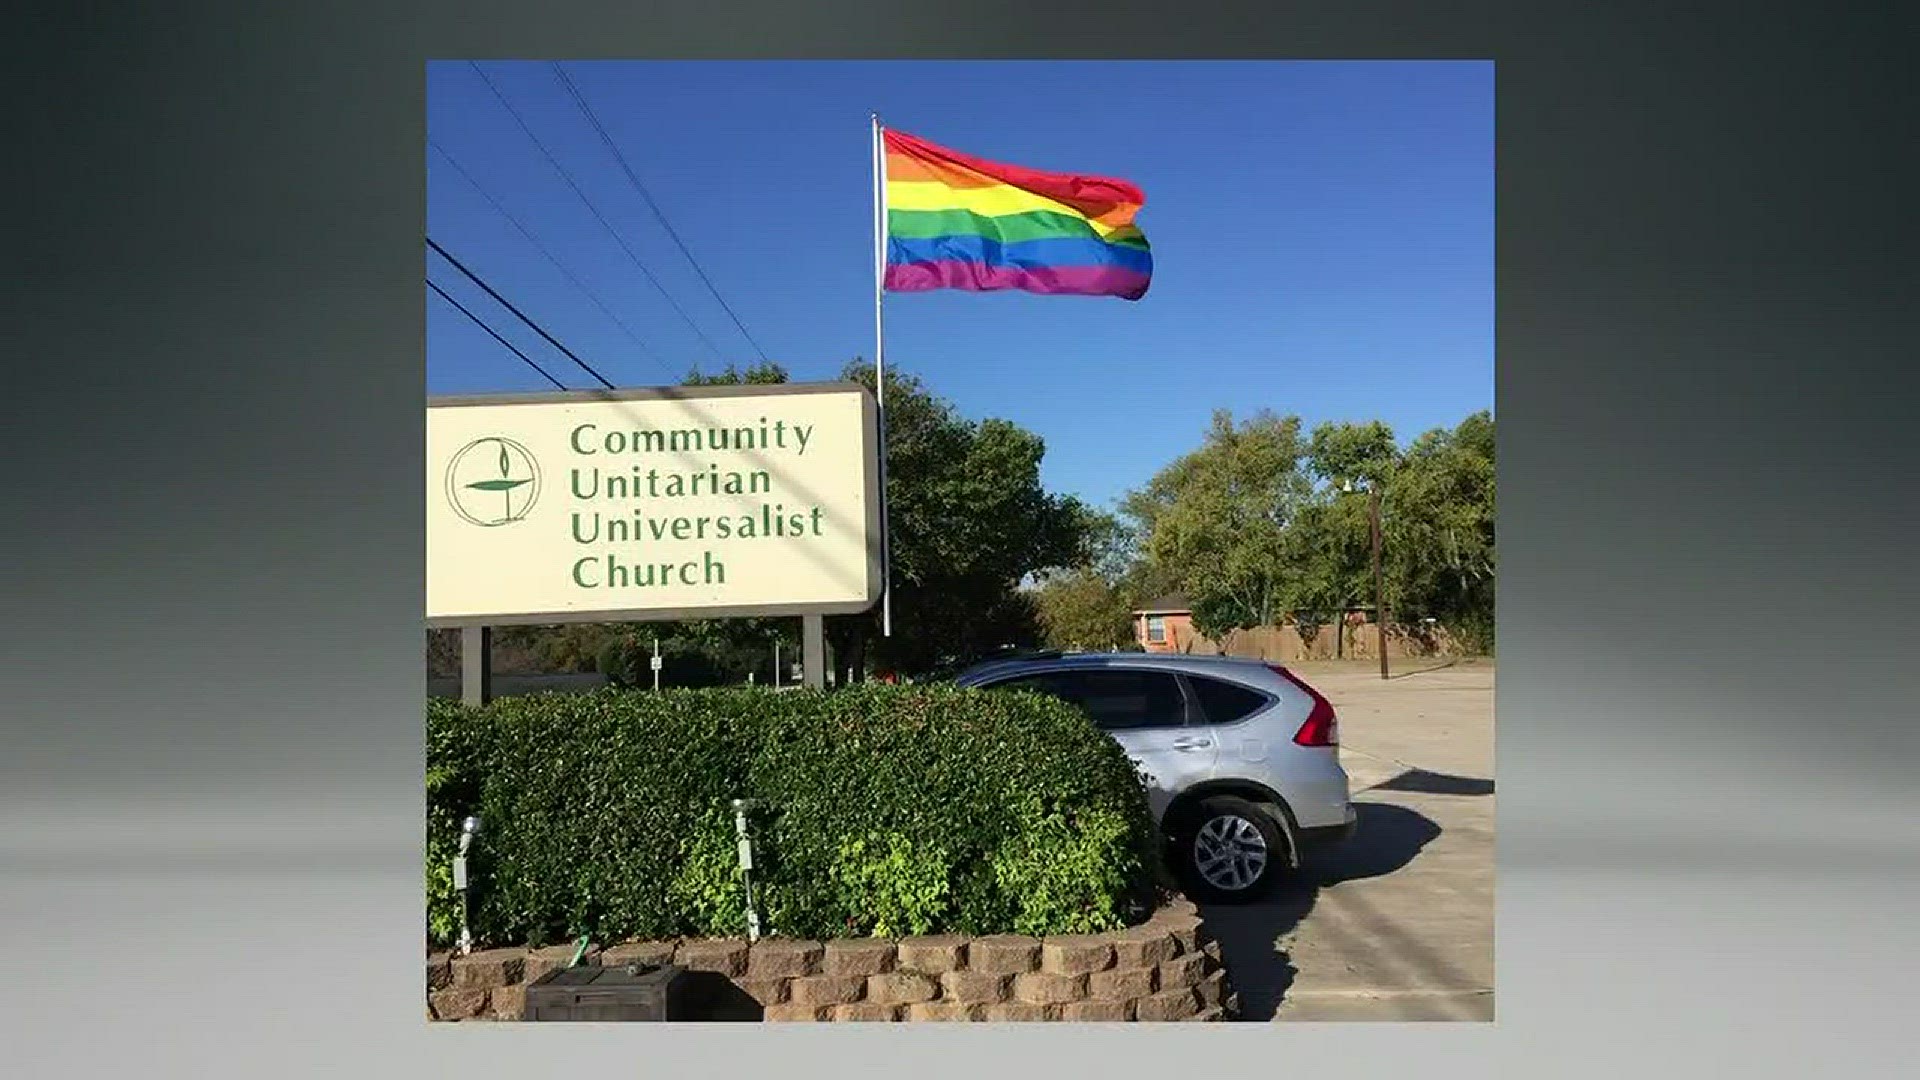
1192	742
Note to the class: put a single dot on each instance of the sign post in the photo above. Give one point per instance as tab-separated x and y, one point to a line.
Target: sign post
813	651
476	665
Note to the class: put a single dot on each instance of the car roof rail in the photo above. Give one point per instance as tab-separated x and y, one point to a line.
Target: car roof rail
997	659
1020	654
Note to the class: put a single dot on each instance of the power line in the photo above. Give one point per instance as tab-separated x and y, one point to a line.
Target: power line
587	111
551	257
521	315
496	335
611	231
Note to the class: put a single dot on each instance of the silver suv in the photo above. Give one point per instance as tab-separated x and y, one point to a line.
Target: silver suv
1242	758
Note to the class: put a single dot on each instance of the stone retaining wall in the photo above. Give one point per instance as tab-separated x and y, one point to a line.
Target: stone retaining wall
1164	969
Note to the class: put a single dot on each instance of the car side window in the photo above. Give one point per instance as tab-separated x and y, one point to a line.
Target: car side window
1116	698
1057	684
1122	700
1048	684
1223	702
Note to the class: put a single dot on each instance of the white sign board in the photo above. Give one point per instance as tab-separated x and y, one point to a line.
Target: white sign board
681	502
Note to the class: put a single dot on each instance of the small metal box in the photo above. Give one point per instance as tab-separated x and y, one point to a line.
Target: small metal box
616	992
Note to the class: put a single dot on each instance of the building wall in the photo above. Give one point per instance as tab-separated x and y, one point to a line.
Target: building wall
1180	636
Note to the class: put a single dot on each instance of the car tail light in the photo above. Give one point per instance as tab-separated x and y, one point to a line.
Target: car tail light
1322	727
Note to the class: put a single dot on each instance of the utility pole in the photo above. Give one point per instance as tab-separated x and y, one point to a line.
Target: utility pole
1379	583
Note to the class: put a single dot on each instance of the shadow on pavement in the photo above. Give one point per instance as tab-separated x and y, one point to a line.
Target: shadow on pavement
1388	838
1433	783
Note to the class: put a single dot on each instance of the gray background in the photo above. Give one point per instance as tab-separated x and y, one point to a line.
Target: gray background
210	752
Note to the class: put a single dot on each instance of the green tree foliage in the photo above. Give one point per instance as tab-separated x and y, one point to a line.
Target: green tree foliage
1145	580
1112	546
1090	606
1360	453
1217	520
1436	518
1331	549
1081	609
1260	524
766	374
1439	531
970	522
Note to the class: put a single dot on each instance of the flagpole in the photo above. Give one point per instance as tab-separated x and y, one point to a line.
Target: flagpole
880	369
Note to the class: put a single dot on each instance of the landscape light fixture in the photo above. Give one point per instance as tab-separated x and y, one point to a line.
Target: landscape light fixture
740	808
469	829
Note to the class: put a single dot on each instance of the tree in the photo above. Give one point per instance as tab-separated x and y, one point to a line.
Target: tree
1145	580
1331	546
1362	453
765	374
1436	521
1081	609
1217	520
1259	524
970	522
1439	513
1112	545
1327	556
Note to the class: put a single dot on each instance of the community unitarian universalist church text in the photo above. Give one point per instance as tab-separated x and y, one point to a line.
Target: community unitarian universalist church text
608	474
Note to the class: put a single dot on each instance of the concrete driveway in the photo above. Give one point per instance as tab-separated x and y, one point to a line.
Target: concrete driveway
1398	923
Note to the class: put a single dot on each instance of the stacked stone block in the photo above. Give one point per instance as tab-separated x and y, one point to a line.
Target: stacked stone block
1162	970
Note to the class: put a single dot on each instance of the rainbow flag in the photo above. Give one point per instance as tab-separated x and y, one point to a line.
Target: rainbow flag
959	222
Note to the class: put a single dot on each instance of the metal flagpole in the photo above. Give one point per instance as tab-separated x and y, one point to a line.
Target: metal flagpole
880	369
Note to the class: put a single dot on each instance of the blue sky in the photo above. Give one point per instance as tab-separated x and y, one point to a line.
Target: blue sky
1322	236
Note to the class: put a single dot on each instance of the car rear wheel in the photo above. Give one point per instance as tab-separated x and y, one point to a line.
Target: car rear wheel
1230	850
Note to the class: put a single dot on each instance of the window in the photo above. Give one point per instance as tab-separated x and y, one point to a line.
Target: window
1156	629
1225	702
1038	684
1117	699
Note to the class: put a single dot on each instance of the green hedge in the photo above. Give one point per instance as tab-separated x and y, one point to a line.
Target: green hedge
627	662
883	810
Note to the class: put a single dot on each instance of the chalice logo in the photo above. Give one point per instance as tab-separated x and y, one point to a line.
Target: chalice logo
493	481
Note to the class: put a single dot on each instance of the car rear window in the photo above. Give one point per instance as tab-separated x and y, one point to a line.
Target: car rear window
1116	699
1224	702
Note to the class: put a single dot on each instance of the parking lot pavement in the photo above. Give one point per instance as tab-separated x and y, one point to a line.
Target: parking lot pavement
1397	924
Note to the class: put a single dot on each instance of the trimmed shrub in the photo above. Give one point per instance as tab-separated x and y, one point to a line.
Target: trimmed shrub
879	810
627	662
623	661
456	736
